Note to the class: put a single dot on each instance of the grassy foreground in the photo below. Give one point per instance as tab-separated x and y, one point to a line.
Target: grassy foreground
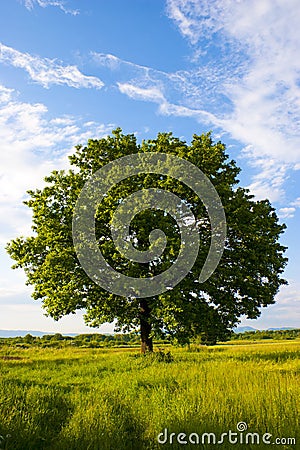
72	398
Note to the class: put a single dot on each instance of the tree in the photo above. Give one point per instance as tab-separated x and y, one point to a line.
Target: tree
28	339
247	277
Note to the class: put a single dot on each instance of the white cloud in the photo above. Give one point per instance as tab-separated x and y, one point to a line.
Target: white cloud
5	94
284	313
148	84
30	4
185	87
47	71
251	91
199	96
265	92
155	95
258	72
287	212
107	60
199	20
113	62
296	202
270	178
171	109
32	145
152	94
184	21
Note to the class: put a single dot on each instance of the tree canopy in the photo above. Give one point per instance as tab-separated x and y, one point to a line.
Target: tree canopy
247	277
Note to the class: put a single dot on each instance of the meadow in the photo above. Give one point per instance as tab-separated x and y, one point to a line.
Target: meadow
84	398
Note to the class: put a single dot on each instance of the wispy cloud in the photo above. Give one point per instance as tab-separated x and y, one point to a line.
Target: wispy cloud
286	213
216	96
251	91
191	17
152	94
30	4
296	203
175	93
32	144
115	63
264	91
271	175
47	71
284	313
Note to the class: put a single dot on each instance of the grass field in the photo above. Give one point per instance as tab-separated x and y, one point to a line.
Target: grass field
72	398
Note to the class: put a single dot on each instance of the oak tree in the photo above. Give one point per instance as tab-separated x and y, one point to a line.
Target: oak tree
247	277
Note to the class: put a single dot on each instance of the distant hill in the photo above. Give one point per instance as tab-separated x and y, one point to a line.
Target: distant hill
22	333
282	328
243	329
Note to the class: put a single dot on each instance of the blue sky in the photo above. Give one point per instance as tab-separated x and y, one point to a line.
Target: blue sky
73	70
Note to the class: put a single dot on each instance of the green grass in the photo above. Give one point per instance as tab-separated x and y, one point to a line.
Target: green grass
72	398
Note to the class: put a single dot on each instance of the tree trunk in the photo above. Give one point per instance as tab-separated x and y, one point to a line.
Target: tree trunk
146	340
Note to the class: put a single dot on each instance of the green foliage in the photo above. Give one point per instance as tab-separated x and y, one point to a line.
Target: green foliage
157	356
163	356
95	340
266	334
248	276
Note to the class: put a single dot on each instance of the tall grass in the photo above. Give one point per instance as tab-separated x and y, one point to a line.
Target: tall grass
65	399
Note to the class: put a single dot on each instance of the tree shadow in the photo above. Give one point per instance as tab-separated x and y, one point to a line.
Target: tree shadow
116	428
31	418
